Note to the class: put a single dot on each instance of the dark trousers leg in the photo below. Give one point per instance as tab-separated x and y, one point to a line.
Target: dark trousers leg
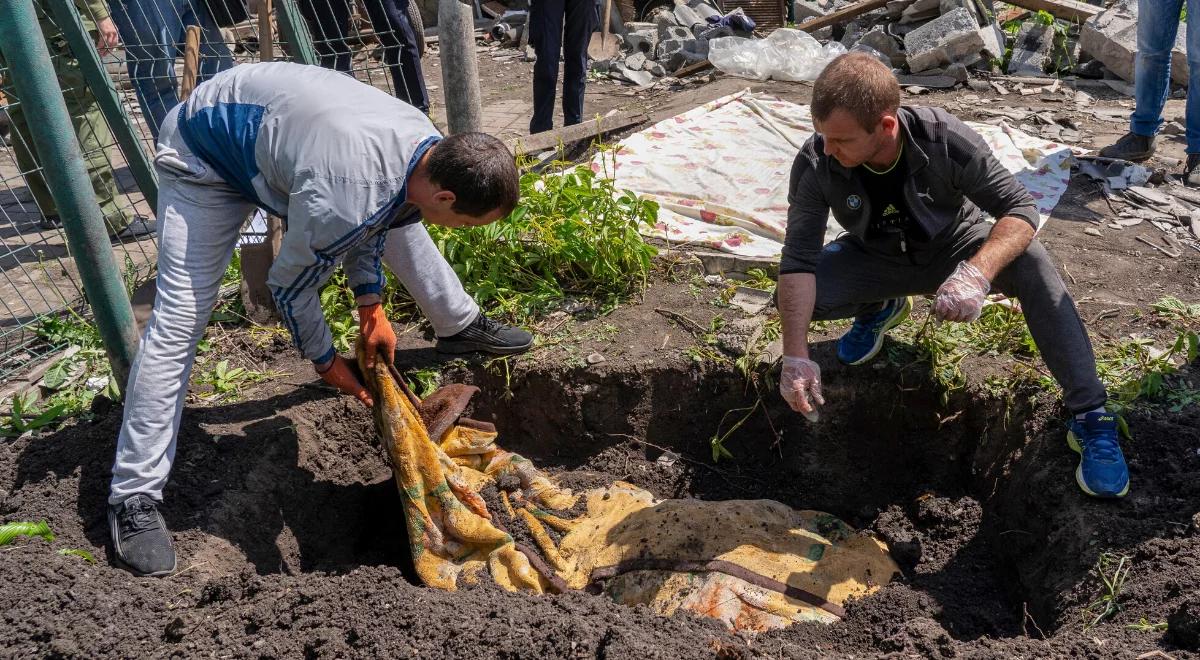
327	21
399	50
853	280
545	35
579	25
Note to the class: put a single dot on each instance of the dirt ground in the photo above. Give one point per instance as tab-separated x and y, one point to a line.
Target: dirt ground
287	522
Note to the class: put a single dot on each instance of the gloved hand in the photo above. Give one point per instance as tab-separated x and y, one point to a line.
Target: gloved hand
375	331
339	374
960	298
801	379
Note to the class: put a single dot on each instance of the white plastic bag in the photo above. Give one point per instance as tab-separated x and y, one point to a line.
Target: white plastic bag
784	55
739	57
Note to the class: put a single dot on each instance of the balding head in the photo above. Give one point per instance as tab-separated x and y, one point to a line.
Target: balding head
860	85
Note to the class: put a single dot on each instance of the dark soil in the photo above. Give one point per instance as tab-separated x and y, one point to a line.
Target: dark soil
291	542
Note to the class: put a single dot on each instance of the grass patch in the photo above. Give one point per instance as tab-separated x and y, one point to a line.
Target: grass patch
1112	570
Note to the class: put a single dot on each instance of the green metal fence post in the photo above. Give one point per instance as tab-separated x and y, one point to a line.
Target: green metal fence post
102	87
295	32
62	161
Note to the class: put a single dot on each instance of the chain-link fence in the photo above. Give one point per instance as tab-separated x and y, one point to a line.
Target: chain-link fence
140	44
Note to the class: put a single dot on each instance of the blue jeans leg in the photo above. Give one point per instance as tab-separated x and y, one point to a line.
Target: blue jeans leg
153	32
1193	59
1158	23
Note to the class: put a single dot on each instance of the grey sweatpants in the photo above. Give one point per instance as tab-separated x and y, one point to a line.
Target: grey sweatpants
199	218
853	278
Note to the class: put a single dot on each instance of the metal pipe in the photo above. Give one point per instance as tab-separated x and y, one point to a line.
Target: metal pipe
105	91
67	177
460	71
294	32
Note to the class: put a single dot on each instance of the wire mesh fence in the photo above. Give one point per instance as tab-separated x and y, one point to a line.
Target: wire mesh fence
140	44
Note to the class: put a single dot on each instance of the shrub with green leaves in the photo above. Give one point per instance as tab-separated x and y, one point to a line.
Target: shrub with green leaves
573	234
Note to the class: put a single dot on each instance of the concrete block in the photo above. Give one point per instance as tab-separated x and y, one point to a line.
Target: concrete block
953	37
1111	38
667	48
697	47
1032	50
665	21
675	32
886	44
642	41
921	10
657	69
636	61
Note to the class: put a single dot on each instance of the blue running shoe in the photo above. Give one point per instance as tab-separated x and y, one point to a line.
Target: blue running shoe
864	339
1101	471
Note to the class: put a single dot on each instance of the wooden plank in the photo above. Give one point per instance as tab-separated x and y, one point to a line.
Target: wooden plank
843	15
1068	10
571	134
191	61
694	67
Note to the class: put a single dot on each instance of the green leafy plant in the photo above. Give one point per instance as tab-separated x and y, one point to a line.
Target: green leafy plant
1175	310
717	442
26	415
338	305
1133	370
10	531
573	233
1113	570
424	382
227	382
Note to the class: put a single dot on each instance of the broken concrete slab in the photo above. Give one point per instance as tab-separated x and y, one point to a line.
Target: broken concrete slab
951	38
921	10
686	16
636	61
808	9
750	300
1111	38
994	41
1032	50
886	44
657	69
895	8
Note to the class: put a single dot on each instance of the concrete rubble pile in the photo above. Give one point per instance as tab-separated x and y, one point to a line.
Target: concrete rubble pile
671	39
931	44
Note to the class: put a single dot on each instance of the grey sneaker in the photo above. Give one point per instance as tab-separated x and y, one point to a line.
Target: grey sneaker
140	538
487	336
1191	174
1131	146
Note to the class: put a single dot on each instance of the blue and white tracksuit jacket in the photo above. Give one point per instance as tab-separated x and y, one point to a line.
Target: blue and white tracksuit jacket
330	155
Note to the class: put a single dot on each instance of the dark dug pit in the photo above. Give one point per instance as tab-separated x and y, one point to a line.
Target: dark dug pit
291	543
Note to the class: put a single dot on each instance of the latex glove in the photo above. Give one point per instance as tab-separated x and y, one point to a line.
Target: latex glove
339	374
960	298
801	380
375	331
107	37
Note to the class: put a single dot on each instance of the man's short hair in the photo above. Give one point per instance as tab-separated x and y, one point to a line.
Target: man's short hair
479	170
859	84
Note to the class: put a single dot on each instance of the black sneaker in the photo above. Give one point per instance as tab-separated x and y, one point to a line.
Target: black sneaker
1131	146
140	537
1191	175
487	336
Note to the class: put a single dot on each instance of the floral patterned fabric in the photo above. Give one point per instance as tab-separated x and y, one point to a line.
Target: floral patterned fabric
720	172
